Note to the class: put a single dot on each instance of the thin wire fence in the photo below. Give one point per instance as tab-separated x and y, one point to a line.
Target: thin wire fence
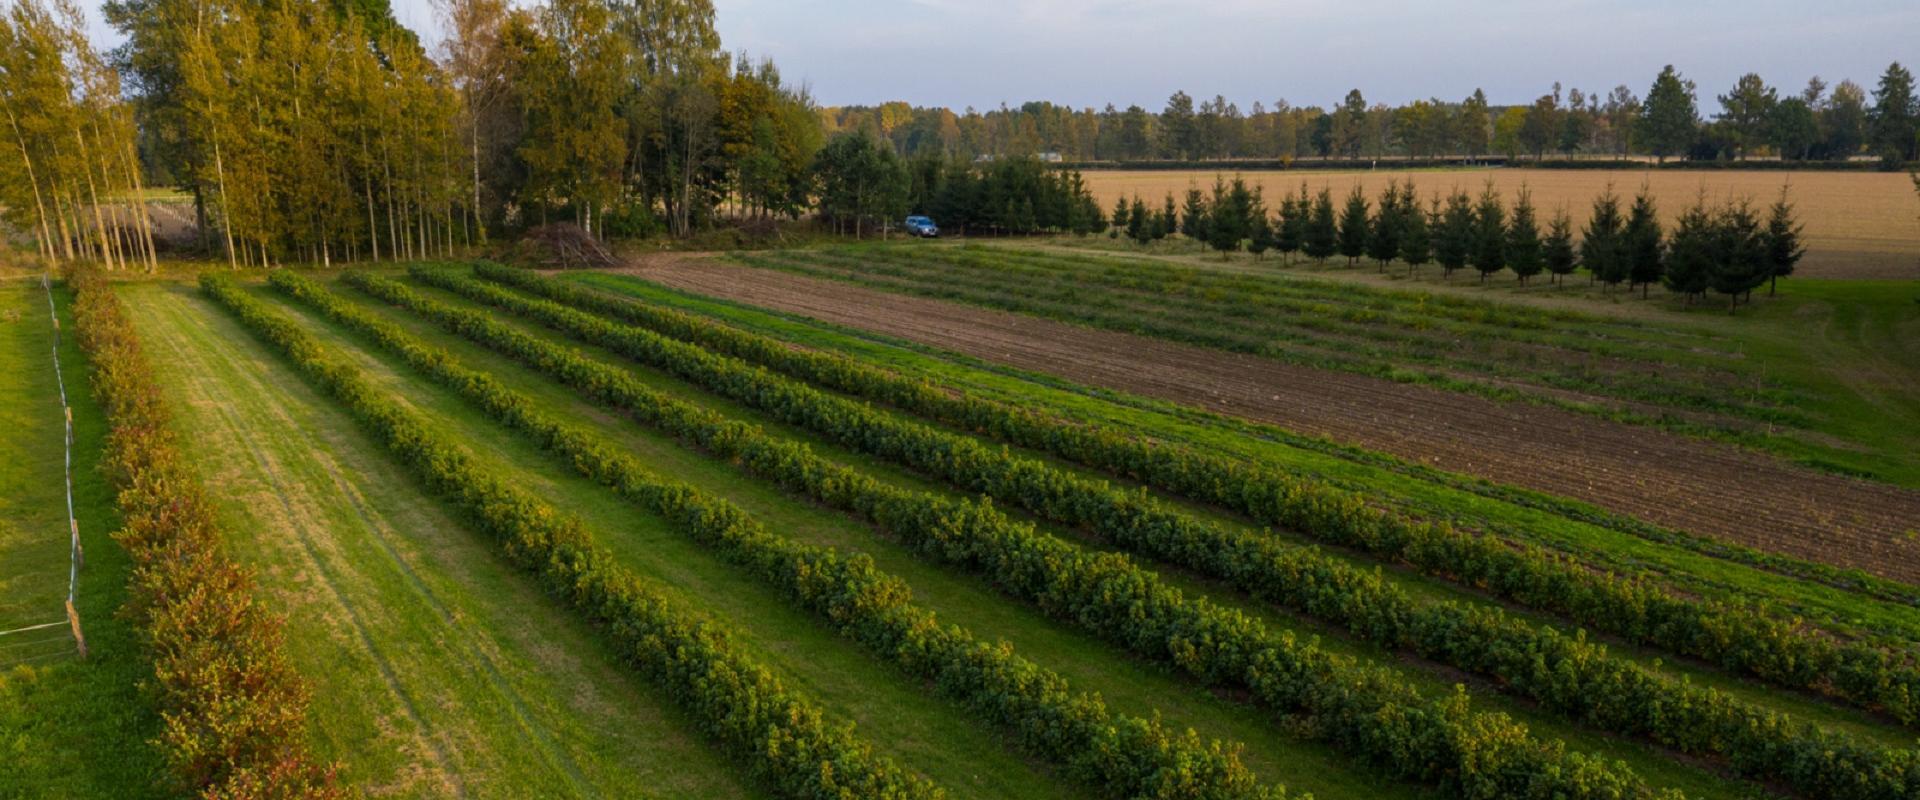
32	643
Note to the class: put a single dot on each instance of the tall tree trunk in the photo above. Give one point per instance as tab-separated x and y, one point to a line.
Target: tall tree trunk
39	205
226	209
93	197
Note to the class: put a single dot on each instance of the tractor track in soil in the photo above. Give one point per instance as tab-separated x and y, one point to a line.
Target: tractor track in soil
1667	479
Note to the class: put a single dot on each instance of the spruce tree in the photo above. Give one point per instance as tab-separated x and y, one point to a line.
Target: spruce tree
1416	235
1292	235
1739	254
1353	227
1783	244
1228	222
1691	252
1453	237
1322	238
1120	212
1193	216
1524	254
1557	250
1645	255
1489	237
1139	225
1383	236
1260	235
1164	224
1601	249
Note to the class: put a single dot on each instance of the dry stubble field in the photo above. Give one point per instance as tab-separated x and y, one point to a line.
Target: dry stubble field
1859	224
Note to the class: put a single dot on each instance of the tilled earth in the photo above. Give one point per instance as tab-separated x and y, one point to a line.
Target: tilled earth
1667	479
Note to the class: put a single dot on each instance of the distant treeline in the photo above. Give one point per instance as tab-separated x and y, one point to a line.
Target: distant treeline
1818	123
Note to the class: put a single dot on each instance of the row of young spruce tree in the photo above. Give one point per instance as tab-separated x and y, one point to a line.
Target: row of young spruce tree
1725	247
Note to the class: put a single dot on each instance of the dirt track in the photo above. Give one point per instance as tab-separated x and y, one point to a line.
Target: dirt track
1663	478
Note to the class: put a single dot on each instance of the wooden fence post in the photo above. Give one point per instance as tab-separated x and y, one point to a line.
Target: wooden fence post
79	638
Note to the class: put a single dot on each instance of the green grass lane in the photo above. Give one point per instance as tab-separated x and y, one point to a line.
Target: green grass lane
68	728
436	669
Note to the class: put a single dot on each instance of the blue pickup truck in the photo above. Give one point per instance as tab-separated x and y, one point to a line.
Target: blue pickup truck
922	227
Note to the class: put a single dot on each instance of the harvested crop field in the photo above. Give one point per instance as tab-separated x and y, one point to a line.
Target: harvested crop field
1858	224
1663	478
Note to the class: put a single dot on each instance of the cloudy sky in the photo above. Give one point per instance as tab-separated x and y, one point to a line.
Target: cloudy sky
1092	52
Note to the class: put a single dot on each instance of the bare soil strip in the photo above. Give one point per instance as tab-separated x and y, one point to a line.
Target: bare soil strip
1670	480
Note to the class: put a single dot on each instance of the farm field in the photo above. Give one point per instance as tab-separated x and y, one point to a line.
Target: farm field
471	679
1858	224
1405	347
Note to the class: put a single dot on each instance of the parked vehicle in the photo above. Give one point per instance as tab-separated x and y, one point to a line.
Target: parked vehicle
922	227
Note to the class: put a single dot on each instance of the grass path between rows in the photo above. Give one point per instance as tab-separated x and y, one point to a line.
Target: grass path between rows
68	728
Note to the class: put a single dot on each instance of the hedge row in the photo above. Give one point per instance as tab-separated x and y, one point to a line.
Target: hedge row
234	707
1740	638
1117	755
1363	709
784	738
1568	675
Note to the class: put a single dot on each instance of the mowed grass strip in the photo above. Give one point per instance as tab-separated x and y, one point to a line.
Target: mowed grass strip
1699	567
33	506
464	679
1649	760
68	728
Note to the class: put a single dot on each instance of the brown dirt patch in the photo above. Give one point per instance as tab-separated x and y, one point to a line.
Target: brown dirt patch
1663	478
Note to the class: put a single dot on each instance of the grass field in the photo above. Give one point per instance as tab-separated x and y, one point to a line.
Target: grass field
68	728
468	679
1845	399
1858	224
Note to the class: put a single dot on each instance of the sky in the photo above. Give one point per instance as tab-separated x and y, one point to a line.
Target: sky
982	53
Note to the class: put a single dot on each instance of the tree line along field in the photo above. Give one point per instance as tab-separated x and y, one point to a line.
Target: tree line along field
1858	224
408	461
